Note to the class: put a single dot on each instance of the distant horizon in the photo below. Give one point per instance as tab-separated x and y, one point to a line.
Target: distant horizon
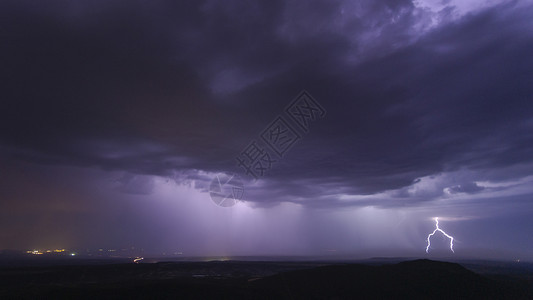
440	255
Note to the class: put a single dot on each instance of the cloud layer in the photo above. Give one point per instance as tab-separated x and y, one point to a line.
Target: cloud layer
427	104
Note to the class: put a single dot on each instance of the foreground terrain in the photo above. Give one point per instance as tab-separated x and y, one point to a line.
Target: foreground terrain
416	279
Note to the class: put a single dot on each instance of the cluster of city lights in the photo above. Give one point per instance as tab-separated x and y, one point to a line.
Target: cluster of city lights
129	252
41	252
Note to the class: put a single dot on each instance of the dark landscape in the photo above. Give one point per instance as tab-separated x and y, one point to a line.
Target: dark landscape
370	279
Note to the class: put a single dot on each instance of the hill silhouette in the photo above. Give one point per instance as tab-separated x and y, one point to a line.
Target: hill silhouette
419	279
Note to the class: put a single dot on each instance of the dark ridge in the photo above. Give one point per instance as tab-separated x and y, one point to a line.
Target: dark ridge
418	279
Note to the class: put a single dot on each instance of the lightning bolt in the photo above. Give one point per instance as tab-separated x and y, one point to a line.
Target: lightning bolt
442	231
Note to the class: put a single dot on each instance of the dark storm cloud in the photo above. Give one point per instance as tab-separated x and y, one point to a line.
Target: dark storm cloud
448	101
173	89
78	89
470	187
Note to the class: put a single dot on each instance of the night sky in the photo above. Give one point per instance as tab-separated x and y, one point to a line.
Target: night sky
115	116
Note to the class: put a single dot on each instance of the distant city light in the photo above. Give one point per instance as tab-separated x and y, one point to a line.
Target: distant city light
102	252
137	259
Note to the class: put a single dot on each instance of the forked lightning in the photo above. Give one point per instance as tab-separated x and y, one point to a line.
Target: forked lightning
445	234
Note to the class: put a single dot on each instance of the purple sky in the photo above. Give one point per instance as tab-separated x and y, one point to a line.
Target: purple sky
116	115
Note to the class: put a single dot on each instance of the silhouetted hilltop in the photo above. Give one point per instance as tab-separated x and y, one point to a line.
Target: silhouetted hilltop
419	279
